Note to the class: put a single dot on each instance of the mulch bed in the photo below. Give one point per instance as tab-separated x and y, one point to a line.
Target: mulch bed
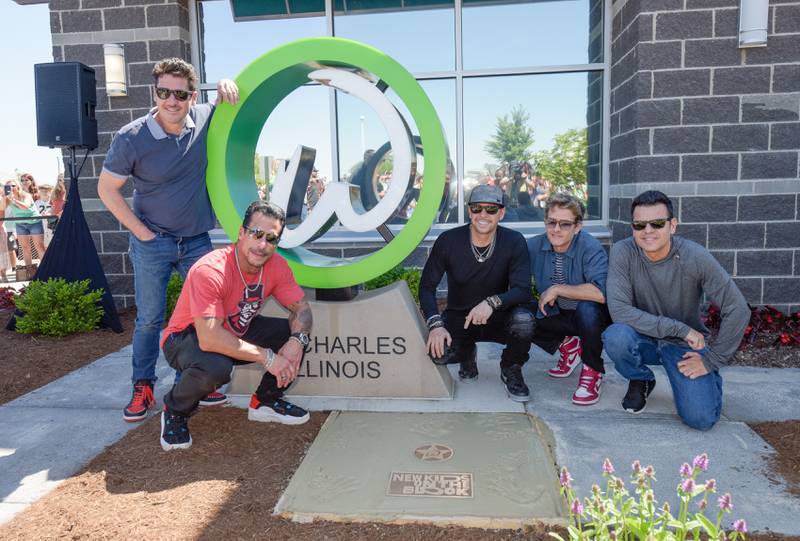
29	361
785	438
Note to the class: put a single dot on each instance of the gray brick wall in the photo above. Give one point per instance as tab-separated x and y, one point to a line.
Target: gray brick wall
715	127
150	30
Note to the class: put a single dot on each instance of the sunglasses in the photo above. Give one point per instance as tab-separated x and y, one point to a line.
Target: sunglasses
490	209
180	95
655	224
269	236
563	224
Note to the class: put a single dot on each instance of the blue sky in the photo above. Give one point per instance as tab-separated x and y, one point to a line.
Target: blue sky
24	41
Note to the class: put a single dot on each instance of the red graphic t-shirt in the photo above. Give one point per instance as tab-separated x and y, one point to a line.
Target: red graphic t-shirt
213	288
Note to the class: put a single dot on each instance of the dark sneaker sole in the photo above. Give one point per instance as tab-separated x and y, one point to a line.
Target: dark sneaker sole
267	415
130	418
212	403
633	411
515	397
171	446
472	379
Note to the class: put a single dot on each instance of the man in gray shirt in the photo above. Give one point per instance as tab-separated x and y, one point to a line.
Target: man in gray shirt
655	288
164	153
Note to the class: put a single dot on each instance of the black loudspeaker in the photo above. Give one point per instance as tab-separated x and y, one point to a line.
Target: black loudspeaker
65	102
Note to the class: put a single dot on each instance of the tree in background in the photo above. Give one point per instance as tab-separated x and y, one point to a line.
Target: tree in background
564	165
513	137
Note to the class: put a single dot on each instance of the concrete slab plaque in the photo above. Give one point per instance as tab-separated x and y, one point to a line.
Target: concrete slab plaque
366	467
370	347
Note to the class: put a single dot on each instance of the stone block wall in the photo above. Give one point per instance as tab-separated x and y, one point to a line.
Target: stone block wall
716	128
150	30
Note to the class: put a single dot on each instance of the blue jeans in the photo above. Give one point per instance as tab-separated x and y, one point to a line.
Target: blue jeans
698	401
153	263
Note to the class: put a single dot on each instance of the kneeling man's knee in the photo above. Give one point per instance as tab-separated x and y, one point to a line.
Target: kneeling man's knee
700	420
521	323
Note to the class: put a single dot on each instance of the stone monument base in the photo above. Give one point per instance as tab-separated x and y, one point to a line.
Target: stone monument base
370	347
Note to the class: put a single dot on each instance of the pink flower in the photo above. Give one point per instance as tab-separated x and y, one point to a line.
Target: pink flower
565	478
725	502
711	485
701	462
686	470
577	507
702	504
740	526
608	467
636	466
687	485
650	472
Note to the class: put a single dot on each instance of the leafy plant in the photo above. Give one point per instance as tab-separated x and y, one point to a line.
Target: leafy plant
564	165
513	137
614	514
174	287
58	308
411	275
7	298
764	321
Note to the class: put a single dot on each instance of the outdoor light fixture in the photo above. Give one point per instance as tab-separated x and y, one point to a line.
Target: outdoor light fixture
753	16
116	82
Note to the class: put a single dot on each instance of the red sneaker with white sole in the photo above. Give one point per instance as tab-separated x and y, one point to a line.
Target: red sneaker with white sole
570	350
588	391
214	398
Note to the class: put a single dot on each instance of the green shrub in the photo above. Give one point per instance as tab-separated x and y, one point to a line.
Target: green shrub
58	308
173	292
411	275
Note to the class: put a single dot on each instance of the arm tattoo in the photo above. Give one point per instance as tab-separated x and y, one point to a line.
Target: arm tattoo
300	318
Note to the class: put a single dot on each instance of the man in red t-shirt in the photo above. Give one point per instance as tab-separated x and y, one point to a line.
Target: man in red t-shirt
216	325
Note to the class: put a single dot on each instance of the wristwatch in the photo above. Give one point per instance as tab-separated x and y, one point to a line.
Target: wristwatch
494	302
301	337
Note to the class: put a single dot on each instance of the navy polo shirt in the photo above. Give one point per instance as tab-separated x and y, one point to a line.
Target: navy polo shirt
168	172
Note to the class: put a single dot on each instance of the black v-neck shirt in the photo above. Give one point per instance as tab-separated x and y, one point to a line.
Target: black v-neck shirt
506	274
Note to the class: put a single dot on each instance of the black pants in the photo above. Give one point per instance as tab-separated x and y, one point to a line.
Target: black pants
587	321
203	371
496	329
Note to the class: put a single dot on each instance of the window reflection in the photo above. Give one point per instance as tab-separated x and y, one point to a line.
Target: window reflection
228	47
537	33
422	40
365	156
533	135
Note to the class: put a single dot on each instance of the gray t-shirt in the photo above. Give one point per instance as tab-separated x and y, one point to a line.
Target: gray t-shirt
662	299
168	172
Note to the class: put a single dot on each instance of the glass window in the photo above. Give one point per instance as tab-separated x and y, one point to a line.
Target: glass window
365	153
422	40
228	47
532	135
501	34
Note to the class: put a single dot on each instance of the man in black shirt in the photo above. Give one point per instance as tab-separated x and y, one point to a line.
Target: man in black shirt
488	284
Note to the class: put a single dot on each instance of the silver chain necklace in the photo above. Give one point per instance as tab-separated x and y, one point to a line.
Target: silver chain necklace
486	253
248	288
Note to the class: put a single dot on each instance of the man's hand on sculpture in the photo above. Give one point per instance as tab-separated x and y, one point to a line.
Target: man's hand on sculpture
695	339
227	92
438	339
479	315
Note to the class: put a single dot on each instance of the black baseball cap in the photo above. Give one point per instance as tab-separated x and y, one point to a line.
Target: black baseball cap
483	193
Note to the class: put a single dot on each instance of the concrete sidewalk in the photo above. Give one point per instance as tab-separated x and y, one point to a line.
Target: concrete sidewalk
49	434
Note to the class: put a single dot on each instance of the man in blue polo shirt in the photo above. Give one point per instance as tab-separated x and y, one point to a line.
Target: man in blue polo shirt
570	269
164	152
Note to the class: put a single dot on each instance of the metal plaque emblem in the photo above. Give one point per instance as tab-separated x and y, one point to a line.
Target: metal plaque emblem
435	485
435	452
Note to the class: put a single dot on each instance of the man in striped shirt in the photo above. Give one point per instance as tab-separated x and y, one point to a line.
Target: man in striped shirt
569	267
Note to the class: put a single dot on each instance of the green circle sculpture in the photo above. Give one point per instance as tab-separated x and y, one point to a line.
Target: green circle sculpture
234	132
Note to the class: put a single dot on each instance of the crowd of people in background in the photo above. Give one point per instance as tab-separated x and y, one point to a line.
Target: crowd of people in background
29	213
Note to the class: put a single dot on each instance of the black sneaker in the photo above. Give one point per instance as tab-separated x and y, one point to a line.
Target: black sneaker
636	398
448	357
515	383
468	371
174	431
279	411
